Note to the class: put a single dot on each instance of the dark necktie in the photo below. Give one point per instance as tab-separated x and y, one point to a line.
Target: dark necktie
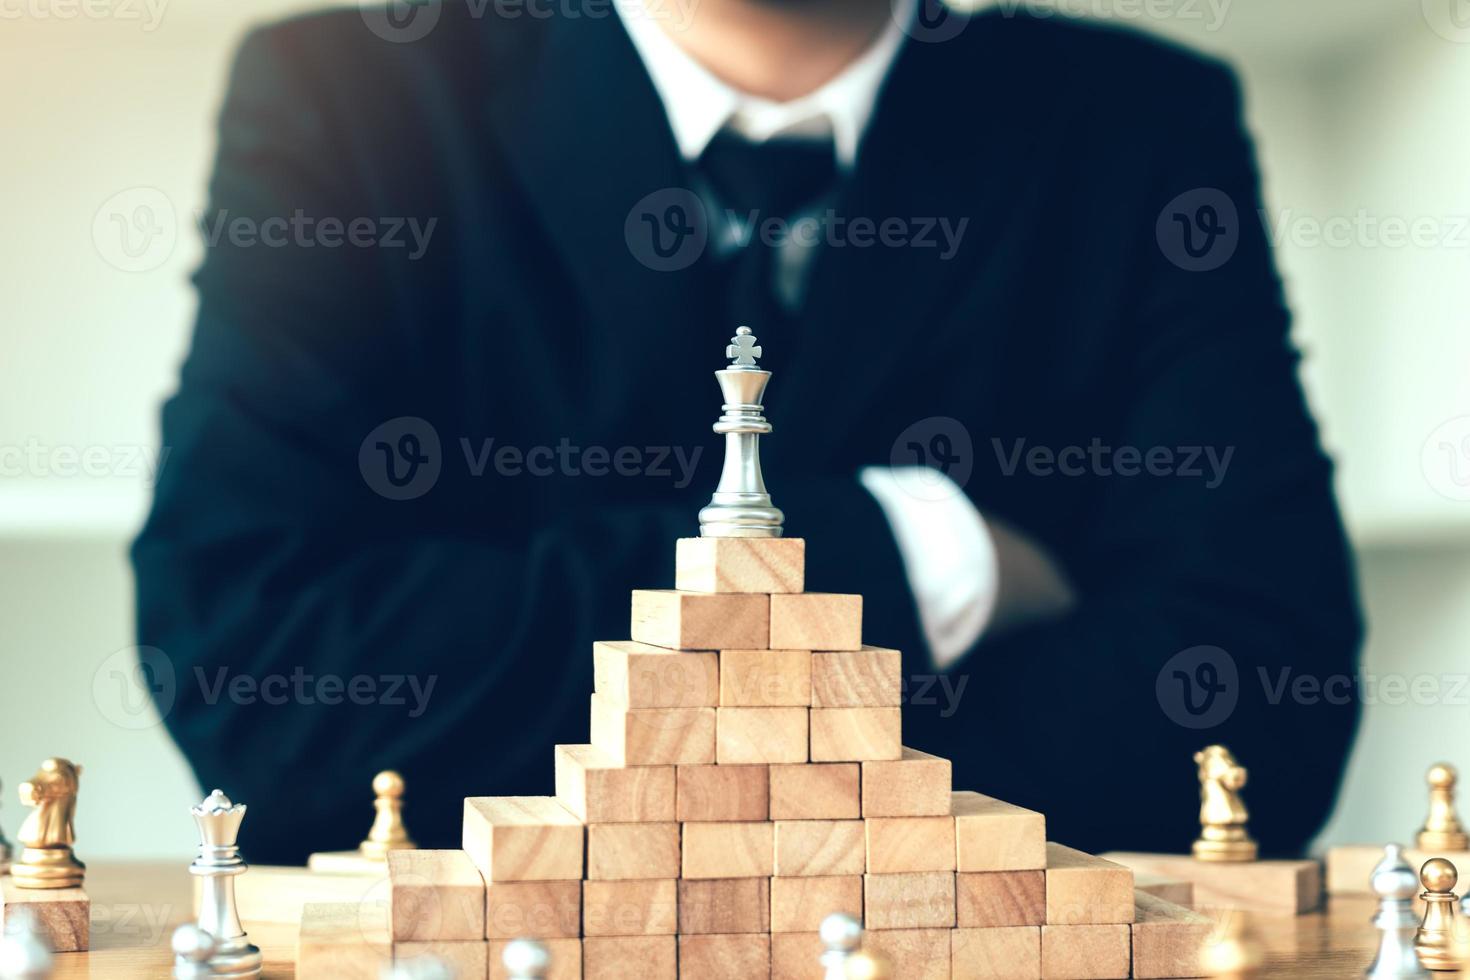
756	184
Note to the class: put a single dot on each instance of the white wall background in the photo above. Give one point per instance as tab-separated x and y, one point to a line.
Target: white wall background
1358	106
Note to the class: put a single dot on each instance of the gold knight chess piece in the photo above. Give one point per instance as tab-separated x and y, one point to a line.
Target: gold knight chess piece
1442	831
387	832
1436	941
46	838
1222	813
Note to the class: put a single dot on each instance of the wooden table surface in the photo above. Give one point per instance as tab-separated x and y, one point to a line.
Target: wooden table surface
135	908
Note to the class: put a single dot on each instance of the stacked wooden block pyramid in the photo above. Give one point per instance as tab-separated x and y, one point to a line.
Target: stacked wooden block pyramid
745	778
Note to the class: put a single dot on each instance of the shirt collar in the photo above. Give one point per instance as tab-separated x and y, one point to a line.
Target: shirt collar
699	105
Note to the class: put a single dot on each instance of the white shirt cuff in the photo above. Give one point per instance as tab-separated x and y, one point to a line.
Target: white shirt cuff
948	554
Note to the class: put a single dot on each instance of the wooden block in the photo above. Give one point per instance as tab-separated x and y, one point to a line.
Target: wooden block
465	958
916	784
725	905
630	958
522	838
856	734
699	621
1349	866
800	904
595	789
342	941
765	678
653	736
630	908
740	564
797	956
533	909
994	899
1169	889
620	851
1168	939
754	735
1267	887
900	844
825	791
639	675
871	677
566	959
723	793
1008	953
817	848
991	835
63	916
729	850
738	957
815	621
1086	890
918	900
275	894
1090	952
435	895
913	954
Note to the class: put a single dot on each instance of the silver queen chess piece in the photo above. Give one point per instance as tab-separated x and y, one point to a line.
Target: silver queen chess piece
741	507
217	865
1396	884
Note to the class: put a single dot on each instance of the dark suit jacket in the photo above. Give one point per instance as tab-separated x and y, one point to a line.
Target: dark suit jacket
1067	315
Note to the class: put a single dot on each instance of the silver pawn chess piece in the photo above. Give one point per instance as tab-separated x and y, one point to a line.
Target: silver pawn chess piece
218	863
741	507
841	934
525	959
23	953
192	948
1396	883
419	968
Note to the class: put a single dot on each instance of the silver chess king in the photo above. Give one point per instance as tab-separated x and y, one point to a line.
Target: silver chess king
741	507
218	863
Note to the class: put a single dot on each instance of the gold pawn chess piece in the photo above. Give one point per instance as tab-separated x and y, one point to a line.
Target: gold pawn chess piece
1222	813
1436	940
867	965
46	838
1442	831
387	832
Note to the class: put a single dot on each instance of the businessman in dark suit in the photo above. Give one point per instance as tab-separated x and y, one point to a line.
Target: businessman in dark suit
470	268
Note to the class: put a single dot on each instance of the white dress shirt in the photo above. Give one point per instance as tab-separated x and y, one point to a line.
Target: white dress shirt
949	552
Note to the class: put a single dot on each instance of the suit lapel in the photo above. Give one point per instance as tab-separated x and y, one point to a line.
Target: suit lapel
944	144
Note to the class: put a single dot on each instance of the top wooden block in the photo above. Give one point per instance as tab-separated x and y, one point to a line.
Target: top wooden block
991	835
740	565
816	621
640	675
522	838
1086	890
434	896
701	621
